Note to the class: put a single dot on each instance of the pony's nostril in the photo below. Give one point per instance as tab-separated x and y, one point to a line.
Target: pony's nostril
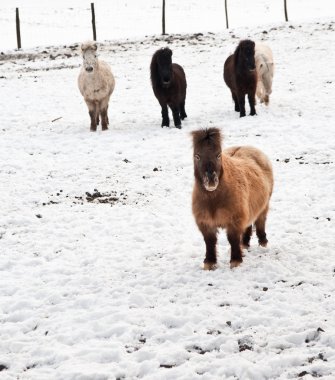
89	69
166	79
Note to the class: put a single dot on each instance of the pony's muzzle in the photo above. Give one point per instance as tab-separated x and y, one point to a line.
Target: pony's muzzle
211	181
166	81
89	69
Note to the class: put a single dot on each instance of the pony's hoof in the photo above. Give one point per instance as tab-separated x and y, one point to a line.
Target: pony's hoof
93	129
234	264
178	126
104	128
263	243
210	266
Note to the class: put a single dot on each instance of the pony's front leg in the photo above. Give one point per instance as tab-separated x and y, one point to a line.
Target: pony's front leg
251	98
176	117
209	234
93	115
103	113
165	116
234	238
241	104
237	107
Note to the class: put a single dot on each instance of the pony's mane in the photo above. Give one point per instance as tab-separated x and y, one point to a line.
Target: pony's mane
164	53
209	136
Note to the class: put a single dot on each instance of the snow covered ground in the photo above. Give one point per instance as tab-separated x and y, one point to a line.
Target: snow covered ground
100	258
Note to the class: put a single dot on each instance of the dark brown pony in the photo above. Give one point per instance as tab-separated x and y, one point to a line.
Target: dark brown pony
240	75
232	190
169	86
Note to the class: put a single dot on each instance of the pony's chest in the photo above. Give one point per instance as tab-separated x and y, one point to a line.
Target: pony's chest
213	215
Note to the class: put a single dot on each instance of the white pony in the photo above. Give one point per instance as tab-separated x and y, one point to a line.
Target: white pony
265	69
96	84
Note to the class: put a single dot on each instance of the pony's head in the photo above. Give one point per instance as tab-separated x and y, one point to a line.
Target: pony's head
164	66
245	53
207	157
89	52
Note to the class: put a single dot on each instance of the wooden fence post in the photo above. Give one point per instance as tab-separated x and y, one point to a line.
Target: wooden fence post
285	10
93	22
18	32
226	10
163	18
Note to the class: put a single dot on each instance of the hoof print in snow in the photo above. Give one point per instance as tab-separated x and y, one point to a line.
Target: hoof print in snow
142	339
3	367
214	332
313	374
198	350
97	197
319	357
30	366
167	365
245	344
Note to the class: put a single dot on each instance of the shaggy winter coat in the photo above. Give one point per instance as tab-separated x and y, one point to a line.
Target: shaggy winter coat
265	71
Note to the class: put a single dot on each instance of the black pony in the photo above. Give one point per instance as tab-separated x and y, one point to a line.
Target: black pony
240	76
169	86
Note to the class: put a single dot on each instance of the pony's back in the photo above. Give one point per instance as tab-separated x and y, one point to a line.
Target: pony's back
264	59
252	158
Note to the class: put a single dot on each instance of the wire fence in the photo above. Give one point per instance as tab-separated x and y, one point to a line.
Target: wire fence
163	12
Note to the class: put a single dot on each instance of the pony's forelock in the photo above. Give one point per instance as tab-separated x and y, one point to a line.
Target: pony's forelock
89	45
245	44
209	136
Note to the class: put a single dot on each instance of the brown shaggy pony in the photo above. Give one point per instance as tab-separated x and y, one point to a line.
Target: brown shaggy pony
232	190
240	75
169	86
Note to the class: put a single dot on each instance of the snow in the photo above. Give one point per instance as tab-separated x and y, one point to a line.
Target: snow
115	290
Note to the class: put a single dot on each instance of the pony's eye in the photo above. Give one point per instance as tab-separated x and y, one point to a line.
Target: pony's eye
218	156
197	157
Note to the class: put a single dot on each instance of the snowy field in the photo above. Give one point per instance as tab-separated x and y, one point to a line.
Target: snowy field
100	258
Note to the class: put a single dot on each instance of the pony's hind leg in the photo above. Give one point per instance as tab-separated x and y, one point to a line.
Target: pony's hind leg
246	237
183	114
260	227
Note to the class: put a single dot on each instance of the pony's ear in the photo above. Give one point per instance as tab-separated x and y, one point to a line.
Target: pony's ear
95	46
